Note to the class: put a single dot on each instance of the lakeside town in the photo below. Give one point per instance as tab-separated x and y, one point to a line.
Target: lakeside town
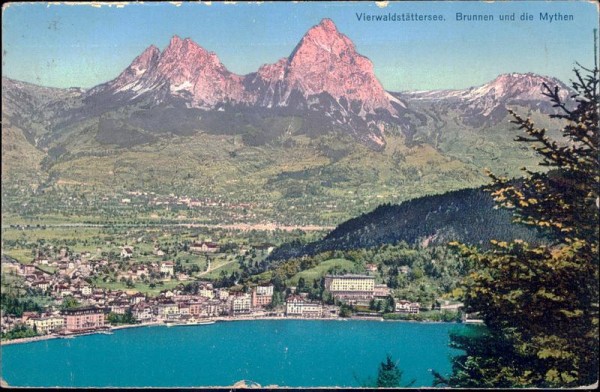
77	306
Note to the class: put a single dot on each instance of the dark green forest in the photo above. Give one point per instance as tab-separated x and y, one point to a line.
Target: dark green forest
467	215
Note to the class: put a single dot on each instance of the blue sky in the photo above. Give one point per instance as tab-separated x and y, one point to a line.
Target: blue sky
80	45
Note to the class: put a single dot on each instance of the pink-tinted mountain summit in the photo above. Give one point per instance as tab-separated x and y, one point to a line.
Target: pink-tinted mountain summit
324	61
183	69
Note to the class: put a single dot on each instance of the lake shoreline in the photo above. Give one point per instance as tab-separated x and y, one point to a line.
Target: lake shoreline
209	321
273	353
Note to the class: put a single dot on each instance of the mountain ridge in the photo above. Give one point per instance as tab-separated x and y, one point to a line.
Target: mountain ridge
324	73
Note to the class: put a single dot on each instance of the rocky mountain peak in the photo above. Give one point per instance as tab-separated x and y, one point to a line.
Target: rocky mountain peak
323	37
326	61
147	58
524	86
183	47
327	24
187	57
513	88
488	103
183	69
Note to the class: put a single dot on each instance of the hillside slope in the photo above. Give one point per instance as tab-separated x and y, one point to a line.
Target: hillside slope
466	215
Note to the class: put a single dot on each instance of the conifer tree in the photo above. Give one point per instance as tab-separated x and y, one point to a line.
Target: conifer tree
540	303
389	375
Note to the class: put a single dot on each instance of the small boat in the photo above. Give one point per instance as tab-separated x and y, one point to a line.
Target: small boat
191	323
206	322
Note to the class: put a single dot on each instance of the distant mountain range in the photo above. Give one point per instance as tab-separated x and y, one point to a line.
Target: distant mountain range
312	122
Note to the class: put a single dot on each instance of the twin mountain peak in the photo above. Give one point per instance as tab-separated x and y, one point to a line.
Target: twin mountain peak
324	61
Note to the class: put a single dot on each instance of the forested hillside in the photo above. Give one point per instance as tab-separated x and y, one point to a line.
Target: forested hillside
466	215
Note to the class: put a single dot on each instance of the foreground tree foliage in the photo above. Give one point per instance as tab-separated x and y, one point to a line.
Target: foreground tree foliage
540	303
389	375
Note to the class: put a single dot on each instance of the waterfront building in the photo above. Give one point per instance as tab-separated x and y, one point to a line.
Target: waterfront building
331	311
404	306
293	305
296	306
83	319
46	324
351	288
218	308
119	306
167	310
241	303
195	308
184	309
312	310
142	312
262	296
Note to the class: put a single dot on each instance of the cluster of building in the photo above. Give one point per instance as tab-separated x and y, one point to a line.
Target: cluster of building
170	306
78	320
361	289
72	279
172	200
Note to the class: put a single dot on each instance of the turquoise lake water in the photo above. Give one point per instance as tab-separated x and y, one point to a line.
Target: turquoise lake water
292	353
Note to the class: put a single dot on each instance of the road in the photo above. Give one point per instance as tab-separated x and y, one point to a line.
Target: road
237	226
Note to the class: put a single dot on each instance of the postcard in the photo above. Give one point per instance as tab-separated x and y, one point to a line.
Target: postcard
299	195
